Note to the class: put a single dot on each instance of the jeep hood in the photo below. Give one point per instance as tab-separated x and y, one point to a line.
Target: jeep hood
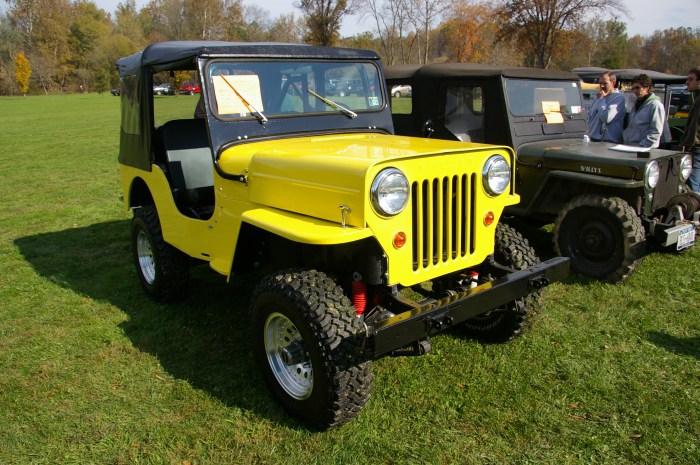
592	157
314	176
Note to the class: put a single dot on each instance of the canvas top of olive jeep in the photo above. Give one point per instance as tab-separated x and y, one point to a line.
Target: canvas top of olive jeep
609	207
284	176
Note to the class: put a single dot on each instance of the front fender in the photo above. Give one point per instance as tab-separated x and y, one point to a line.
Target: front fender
543	194
303	229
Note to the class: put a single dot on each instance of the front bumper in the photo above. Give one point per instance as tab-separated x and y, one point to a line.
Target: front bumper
677	234
417	324
681	236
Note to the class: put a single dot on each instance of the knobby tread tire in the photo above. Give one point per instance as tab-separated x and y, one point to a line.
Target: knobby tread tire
171	265
502	325
623	226
342	376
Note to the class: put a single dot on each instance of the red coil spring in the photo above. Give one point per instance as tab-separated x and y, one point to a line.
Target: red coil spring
359	296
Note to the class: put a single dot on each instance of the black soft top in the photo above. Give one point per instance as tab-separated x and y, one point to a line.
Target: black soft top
591	74
443	70
136	72
163	56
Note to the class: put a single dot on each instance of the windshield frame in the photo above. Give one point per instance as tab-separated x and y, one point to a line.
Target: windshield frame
280	88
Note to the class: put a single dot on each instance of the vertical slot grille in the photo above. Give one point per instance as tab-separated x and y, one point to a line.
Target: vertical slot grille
442	220
668	183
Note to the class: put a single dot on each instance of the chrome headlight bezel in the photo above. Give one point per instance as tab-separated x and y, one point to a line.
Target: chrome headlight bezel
652	172
389	193
686	167
496	175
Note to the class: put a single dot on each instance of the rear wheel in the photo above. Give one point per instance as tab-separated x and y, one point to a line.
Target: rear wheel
601	236
162	269
503	324
307	343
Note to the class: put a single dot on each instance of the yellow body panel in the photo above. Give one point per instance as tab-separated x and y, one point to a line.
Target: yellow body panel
296	186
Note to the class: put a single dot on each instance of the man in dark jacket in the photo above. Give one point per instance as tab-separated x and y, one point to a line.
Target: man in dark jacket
691	138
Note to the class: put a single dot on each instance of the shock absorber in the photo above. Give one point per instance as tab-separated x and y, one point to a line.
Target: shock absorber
359	293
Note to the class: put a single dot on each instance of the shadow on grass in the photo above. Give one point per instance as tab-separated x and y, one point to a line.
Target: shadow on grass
536	234
203	339
682	346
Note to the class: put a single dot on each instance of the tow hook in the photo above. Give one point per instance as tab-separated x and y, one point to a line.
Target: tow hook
440	322
416	349
538	282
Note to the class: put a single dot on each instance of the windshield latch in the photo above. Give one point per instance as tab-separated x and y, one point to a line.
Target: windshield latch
344	209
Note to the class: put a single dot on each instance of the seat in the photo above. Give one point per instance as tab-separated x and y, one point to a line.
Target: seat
189	165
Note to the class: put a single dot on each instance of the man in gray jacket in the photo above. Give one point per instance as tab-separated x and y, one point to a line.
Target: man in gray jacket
606	117
647	118
691	138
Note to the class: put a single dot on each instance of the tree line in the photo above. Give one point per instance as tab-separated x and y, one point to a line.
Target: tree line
49	46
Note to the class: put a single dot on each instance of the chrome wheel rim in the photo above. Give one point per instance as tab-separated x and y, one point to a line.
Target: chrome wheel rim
145	257
288	357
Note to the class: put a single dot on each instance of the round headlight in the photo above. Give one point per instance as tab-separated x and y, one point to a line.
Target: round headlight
686	167
496	175
651	174
389	192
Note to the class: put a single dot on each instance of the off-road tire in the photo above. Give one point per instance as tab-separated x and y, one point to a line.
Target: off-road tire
304	310
504	324
162	269
601	236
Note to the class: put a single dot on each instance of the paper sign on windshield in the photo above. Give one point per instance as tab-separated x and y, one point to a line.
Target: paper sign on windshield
552	113
233	90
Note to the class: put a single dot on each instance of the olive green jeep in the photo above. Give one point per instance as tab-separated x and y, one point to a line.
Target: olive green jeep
609	204
371	242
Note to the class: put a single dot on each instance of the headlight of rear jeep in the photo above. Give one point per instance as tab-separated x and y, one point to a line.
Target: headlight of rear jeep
686	167
651	174
496	175
389	192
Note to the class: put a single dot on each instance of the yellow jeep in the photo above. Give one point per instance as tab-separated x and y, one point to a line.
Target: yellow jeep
370	242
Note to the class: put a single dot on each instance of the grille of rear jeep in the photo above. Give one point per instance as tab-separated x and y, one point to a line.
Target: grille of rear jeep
443	220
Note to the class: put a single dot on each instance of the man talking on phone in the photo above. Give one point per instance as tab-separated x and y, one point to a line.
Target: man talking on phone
606	118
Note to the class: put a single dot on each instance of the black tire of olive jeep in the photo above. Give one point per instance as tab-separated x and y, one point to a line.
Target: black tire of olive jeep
599	234
307	343
162	269
504	324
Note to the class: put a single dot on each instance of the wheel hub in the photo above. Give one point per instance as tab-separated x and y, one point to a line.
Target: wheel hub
294	353
596	241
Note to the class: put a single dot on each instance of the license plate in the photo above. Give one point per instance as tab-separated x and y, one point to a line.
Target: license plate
686	237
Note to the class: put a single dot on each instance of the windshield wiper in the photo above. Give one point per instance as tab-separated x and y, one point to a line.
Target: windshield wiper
253	111
347	112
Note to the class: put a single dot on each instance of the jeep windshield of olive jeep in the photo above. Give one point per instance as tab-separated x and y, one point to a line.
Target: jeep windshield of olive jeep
553	99
609	207
369	242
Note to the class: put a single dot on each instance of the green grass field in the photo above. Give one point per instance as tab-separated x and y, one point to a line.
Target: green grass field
94	372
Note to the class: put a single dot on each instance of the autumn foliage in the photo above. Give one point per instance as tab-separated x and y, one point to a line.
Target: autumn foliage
73	44
22	72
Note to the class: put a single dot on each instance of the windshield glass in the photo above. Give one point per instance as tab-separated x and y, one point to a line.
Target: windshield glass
256	89
530	97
